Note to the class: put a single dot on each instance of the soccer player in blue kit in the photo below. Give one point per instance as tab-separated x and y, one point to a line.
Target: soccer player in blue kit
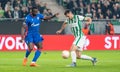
30	33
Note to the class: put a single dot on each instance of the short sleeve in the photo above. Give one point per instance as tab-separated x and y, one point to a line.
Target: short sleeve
66	21
81	17
26	21
41	16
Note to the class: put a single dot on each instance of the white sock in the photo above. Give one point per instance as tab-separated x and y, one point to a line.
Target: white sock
32	62
73	56
86	57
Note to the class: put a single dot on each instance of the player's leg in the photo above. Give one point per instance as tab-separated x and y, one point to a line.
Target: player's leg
29	43
80	49
73	55
85	57
28	51
38	42
73	52
37	54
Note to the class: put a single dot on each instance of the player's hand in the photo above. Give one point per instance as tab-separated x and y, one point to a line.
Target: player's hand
59	31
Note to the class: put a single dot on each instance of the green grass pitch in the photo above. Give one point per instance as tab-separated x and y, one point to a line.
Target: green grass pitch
51	61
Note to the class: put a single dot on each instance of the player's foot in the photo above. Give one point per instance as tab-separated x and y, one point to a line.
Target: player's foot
24	61
72	65
33	64
94	61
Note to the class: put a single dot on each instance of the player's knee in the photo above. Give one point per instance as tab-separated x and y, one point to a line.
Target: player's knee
40	47
73	48
30	49
78	57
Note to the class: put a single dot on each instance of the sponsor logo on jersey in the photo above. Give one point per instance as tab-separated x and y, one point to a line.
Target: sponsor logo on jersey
33	25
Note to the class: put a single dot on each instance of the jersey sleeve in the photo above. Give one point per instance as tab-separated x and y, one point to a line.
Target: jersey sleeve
66	21
81	17
26	22
41	16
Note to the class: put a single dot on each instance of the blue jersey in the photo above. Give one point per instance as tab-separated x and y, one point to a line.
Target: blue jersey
33	23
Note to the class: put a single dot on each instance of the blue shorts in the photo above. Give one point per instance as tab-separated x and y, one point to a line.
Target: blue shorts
33	38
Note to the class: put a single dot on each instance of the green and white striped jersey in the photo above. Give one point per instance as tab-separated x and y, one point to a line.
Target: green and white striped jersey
76	25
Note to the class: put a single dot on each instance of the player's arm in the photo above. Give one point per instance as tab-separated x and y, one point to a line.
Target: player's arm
62	28
50	17
88	20
23	32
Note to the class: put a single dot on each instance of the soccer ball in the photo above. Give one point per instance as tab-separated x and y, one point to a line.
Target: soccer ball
65	54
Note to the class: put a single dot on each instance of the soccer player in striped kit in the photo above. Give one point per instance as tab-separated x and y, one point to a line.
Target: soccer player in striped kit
75	22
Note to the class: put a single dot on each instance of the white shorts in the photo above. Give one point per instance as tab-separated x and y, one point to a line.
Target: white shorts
80	42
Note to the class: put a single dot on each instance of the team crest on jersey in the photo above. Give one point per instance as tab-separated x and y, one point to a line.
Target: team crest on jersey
38	18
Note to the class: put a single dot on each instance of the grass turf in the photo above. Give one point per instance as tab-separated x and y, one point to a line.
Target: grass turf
51	61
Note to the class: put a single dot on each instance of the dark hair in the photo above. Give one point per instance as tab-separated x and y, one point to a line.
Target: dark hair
34	7
67	11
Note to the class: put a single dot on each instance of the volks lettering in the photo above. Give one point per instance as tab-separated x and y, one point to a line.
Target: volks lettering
33	25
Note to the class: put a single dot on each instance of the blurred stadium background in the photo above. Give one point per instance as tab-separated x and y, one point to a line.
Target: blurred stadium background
105	15
104	34
103	12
